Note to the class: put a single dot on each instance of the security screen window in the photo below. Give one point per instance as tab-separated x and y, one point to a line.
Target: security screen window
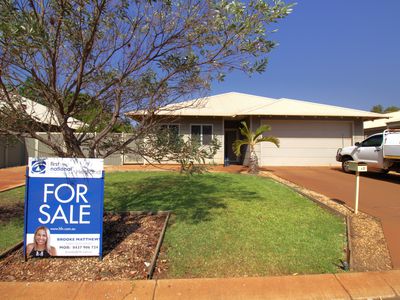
203	133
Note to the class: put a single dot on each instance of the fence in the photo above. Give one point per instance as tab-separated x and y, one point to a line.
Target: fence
15	153
12	152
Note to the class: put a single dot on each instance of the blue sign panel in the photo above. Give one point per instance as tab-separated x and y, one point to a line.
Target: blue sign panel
64	207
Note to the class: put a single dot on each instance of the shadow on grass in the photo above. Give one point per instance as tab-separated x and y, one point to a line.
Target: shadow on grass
10	212
191	198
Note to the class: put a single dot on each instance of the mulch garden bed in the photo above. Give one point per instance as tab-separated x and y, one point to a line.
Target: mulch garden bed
129	244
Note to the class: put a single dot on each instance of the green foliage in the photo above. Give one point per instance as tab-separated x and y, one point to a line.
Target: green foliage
251	139
391	108
379	109
88	109
167	145
97	60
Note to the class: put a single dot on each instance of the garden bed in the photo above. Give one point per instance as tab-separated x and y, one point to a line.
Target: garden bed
129	245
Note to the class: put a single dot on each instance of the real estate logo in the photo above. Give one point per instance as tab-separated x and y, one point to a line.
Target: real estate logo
38	166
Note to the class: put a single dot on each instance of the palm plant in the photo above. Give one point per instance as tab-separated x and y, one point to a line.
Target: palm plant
251	139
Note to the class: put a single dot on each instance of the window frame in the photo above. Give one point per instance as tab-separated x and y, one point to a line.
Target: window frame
201	131
370	138
172	124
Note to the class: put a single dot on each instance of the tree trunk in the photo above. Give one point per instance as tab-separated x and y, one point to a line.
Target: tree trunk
253	161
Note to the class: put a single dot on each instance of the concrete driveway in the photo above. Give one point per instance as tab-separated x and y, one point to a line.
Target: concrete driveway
379	195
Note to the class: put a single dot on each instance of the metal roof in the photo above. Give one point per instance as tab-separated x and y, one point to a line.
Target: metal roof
237	104
392	117
42	114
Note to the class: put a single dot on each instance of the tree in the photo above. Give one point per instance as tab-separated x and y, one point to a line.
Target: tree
165	144
391	108
251	139
122	56
379	109
88	110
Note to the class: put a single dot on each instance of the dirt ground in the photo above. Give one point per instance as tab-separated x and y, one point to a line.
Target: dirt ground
129	244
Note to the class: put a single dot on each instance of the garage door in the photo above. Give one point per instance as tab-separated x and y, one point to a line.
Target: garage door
305	143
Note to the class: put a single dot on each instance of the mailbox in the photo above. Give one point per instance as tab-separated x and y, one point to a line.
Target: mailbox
357	166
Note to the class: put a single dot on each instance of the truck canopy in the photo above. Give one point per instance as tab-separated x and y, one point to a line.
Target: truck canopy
391	144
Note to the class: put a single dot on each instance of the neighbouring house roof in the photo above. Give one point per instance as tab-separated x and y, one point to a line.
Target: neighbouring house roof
389	119
44	115
238	104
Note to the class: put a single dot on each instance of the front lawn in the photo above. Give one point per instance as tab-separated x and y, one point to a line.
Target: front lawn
11	217
233	225
224	225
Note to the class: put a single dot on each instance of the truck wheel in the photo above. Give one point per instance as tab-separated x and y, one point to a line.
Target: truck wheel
345	164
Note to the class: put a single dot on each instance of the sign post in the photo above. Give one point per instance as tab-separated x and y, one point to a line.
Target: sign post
64	207
357	167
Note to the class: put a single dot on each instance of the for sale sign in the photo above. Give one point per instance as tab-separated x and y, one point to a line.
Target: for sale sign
64	207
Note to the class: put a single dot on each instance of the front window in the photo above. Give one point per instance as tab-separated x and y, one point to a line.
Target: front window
373	141
203	133
171	130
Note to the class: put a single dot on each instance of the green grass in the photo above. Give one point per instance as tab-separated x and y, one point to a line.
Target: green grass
11	217
233	225
11	233
226	224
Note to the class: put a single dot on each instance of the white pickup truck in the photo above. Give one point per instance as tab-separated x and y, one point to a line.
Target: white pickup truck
381	152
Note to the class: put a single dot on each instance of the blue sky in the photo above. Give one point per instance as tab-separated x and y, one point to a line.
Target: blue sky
337	52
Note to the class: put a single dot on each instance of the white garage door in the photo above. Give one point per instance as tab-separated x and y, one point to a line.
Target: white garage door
305	143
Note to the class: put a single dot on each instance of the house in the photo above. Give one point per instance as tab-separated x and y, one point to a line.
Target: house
41	115
390	121
310	133
14	152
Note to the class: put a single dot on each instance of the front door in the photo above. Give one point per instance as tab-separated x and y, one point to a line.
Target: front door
370	151
231	135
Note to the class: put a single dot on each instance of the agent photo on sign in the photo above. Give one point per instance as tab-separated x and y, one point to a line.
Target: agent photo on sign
41	244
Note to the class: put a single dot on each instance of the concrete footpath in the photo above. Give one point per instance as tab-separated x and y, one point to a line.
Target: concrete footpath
373	285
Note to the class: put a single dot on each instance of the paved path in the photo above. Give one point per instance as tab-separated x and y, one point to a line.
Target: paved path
12	177
379	195
374	285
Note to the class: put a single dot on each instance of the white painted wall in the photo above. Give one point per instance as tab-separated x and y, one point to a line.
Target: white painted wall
306	142
218	132
185	130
